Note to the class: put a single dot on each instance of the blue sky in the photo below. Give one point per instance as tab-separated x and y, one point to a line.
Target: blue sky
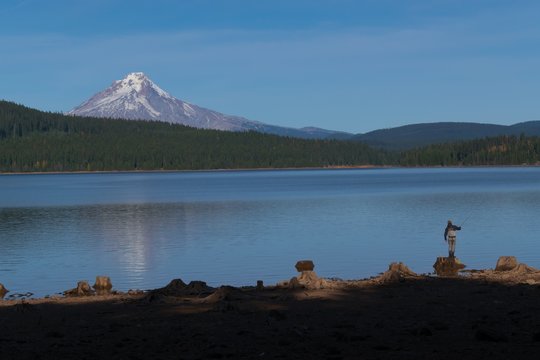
341	64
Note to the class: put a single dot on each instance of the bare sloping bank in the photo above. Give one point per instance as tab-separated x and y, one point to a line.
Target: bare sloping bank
396	315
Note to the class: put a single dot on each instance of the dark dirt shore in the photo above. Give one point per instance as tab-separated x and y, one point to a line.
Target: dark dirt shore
412	318
330	167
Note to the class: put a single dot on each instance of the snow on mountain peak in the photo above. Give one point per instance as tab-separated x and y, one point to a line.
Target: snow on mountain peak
137	97
138	82
133	80
137	74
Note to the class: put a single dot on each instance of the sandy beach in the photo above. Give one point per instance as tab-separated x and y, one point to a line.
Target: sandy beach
397	315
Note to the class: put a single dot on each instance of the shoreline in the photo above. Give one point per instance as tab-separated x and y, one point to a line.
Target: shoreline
158	171
516	273
186	170
397	315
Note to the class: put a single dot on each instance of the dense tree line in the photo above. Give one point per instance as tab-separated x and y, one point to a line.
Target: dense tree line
500	150
32	140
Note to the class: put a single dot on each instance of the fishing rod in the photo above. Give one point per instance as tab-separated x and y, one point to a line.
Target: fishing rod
467	218
472	211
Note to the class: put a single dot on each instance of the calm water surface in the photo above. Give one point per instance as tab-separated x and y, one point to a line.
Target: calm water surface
144	229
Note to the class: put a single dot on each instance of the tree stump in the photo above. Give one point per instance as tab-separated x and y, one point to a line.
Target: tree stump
506	263
447	266
304	265
197	287
174	288
307	280
3	291
103	285
396	272
82	289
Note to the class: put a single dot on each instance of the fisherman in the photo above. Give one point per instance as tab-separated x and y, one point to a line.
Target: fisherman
450	237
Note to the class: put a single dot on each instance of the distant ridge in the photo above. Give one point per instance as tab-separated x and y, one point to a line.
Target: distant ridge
136	97
418	135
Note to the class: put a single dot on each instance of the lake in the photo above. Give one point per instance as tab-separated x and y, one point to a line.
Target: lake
237	227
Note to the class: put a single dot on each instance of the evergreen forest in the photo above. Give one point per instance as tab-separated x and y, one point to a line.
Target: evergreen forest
37	141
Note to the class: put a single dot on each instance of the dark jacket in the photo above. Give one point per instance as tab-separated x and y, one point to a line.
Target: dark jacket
450	227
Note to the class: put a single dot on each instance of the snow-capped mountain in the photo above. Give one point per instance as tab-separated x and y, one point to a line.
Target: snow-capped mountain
137	97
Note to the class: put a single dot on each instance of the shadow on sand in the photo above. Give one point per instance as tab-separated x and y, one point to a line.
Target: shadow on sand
431	318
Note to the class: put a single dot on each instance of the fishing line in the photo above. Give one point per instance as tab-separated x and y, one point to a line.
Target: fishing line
464	221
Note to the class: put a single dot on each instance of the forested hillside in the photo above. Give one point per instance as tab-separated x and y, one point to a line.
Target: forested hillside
419	135
32	140
501	150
